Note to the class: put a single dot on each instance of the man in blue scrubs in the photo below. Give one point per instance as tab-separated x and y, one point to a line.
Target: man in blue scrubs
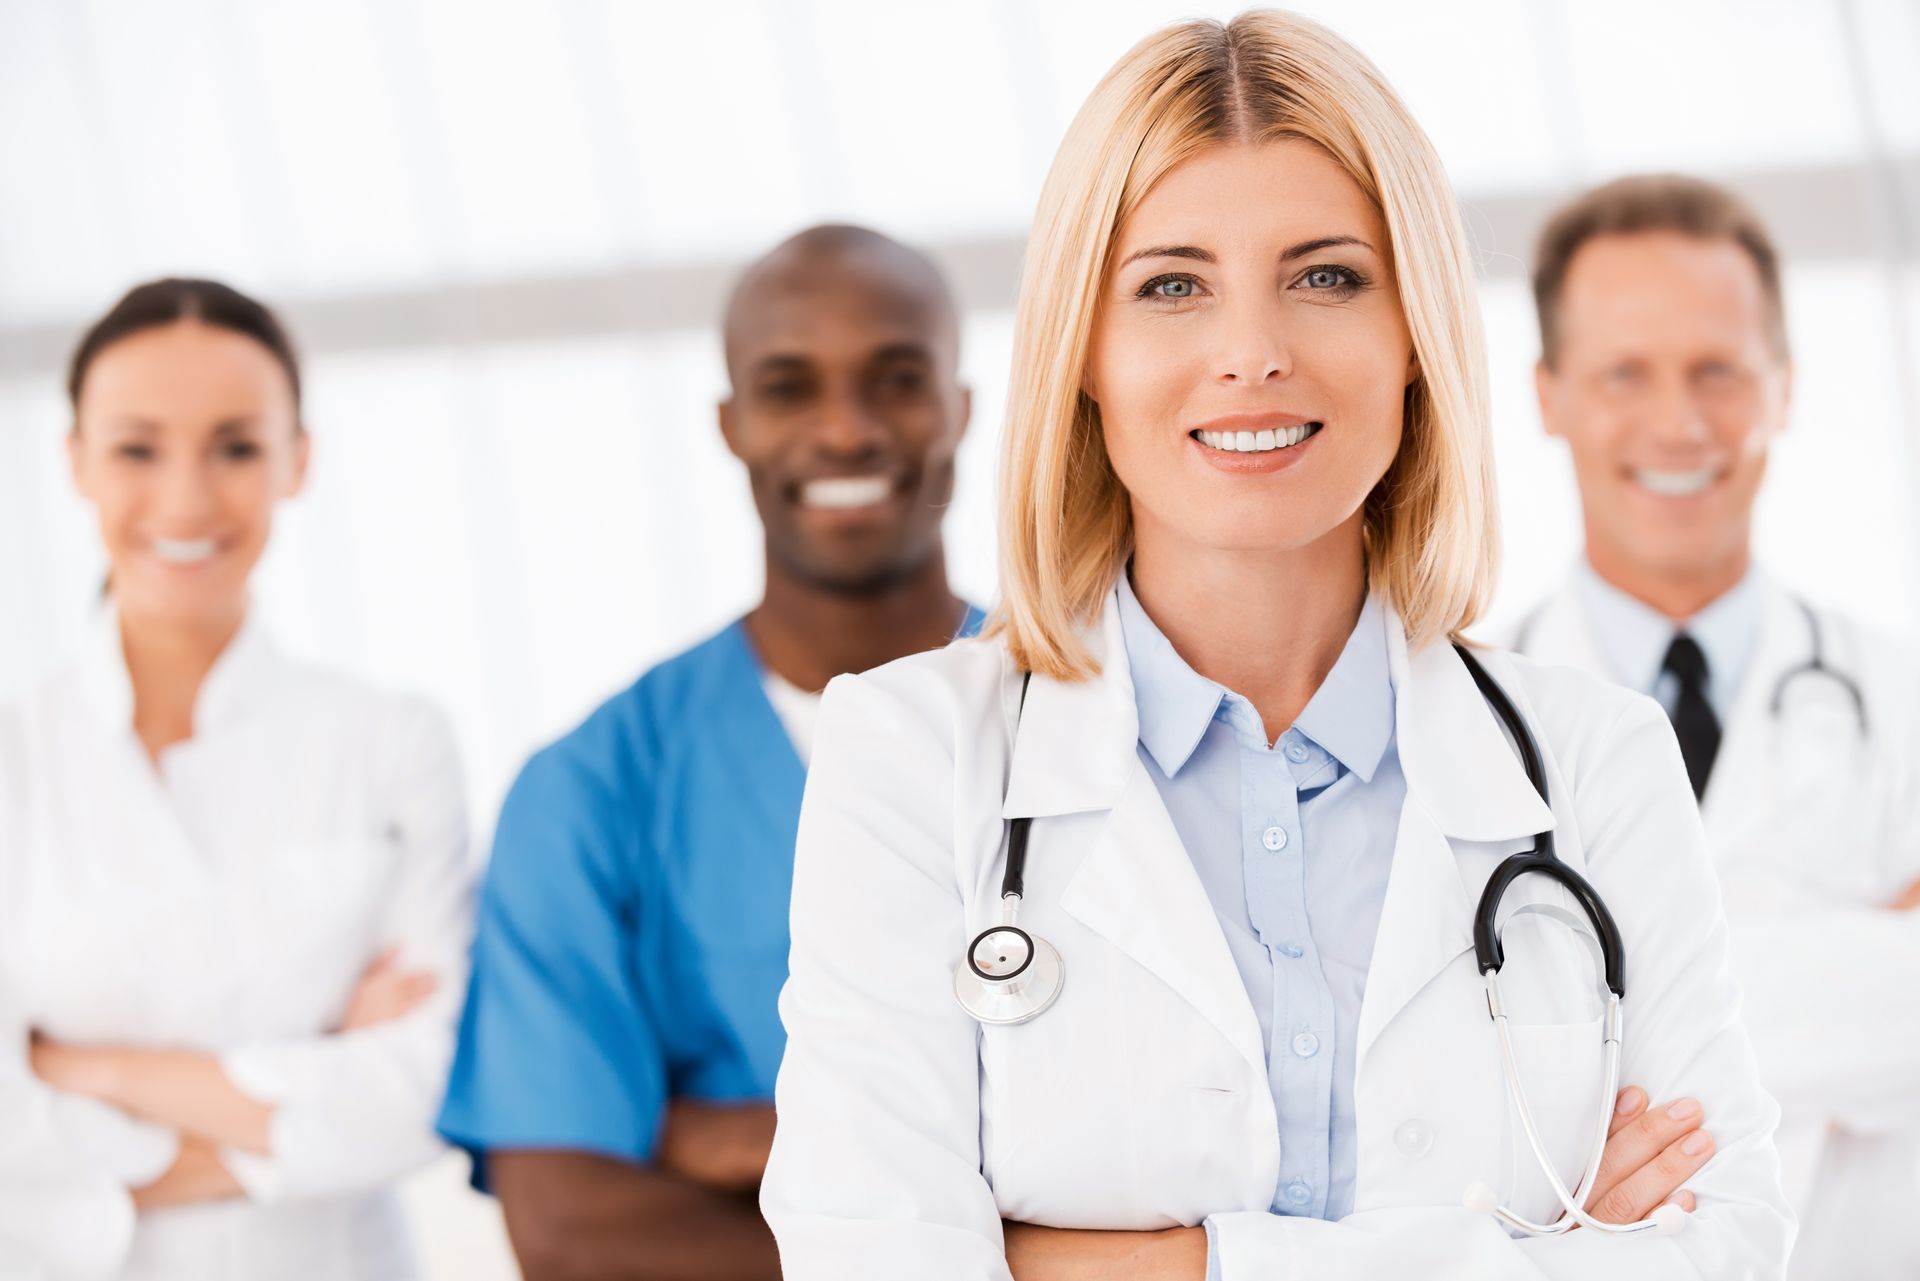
615	1071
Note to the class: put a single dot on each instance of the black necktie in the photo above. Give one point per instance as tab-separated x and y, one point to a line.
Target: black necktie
1694	723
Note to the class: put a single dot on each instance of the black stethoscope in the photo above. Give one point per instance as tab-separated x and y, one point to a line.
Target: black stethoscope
1816	665
1010	976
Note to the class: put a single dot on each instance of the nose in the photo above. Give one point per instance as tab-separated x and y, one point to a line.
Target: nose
1676	419
847	426
183	499
1252	347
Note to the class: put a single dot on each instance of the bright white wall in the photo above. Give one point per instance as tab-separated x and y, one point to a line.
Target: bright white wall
518	528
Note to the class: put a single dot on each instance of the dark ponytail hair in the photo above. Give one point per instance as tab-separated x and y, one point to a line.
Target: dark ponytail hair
159	303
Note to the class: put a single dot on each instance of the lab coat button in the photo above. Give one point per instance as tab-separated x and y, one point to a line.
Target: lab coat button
1274	838
1298	1192
1414	1139
1306	1045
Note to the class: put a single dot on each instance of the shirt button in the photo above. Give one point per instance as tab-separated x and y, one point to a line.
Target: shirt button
1297	751
1414	1139
1306	1045
1274	838
1292	950
1298	1192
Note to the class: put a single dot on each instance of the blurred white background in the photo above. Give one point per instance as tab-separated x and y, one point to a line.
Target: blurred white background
502	232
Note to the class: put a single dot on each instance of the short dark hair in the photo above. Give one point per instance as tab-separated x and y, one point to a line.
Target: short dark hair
1652	202
159	303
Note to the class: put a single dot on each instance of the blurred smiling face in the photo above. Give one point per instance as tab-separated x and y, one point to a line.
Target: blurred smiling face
1249	358
847	413
1668	389
185	436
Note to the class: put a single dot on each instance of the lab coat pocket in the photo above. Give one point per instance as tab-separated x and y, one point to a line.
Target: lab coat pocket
1561	1069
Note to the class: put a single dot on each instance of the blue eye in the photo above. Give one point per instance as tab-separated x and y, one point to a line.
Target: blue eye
1330	279
1170	288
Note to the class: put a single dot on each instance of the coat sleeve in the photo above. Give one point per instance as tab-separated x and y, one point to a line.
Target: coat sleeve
875	1171
1833	1001
1833	992
63	1206
353	1110
1646	854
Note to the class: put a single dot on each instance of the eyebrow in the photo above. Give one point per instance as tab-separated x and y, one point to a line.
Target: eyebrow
1196	254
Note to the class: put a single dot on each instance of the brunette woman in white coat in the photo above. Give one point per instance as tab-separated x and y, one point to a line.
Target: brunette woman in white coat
234	887
1246	503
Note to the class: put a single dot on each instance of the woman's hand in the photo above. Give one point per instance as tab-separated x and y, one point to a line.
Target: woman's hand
197	1174
92	1070
1649	1155
1062	1254
385	992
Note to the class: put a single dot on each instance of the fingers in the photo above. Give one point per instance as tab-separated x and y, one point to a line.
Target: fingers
1627	1108
1658	1179
1909	899
1639	1137
381	963
385	995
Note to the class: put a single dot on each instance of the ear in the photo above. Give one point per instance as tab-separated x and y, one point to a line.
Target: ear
1544	381
77	462
729	425
1413	366
966	413
302	453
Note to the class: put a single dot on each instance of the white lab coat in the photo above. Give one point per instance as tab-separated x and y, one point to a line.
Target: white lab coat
1814	829
1140	1100
227	901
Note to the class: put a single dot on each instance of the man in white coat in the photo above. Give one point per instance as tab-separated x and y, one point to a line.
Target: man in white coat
1665	368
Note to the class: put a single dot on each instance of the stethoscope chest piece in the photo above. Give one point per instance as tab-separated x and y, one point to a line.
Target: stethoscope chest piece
1008	976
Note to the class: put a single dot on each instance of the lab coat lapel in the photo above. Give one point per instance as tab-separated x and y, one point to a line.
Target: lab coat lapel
1137	889
1558	632
1464	783
1742	766
1135	885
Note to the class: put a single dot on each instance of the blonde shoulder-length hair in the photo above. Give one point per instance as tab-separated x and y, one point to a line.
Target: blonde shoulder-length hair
1066	528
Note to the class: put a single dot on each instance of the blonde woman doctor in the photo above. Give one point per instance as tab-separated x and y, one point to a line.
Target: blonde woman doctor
1246	502
233	886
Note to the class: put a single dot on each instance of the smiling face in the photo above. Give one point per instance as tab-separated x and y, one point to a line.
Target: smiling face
185	437
846	408
1249	357
1668	389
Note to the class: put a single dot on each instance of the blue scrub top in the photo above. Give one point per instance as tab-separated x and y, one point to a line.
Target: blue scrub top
632	936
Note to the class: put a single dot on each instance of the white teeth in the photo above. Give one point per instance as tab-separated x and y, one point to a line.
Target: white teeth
183	551
1256	442
1673	484
841	492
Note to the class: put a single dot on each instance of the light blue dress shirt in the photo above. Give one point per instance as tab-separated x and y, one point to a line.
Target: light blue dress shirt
1293	841
1633	637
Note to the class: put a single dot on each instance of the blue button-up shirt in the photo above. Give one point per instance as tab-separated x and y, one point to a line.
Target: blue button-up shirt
1293	841
1633	637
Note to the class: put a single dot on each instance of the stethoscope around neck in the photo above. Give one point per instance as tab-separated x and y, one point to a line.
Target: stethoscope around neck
1010	976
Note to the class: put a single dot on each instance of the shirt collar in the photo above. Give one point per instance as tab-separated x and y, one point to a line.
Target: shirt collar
1634	636
1350	715
225	693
